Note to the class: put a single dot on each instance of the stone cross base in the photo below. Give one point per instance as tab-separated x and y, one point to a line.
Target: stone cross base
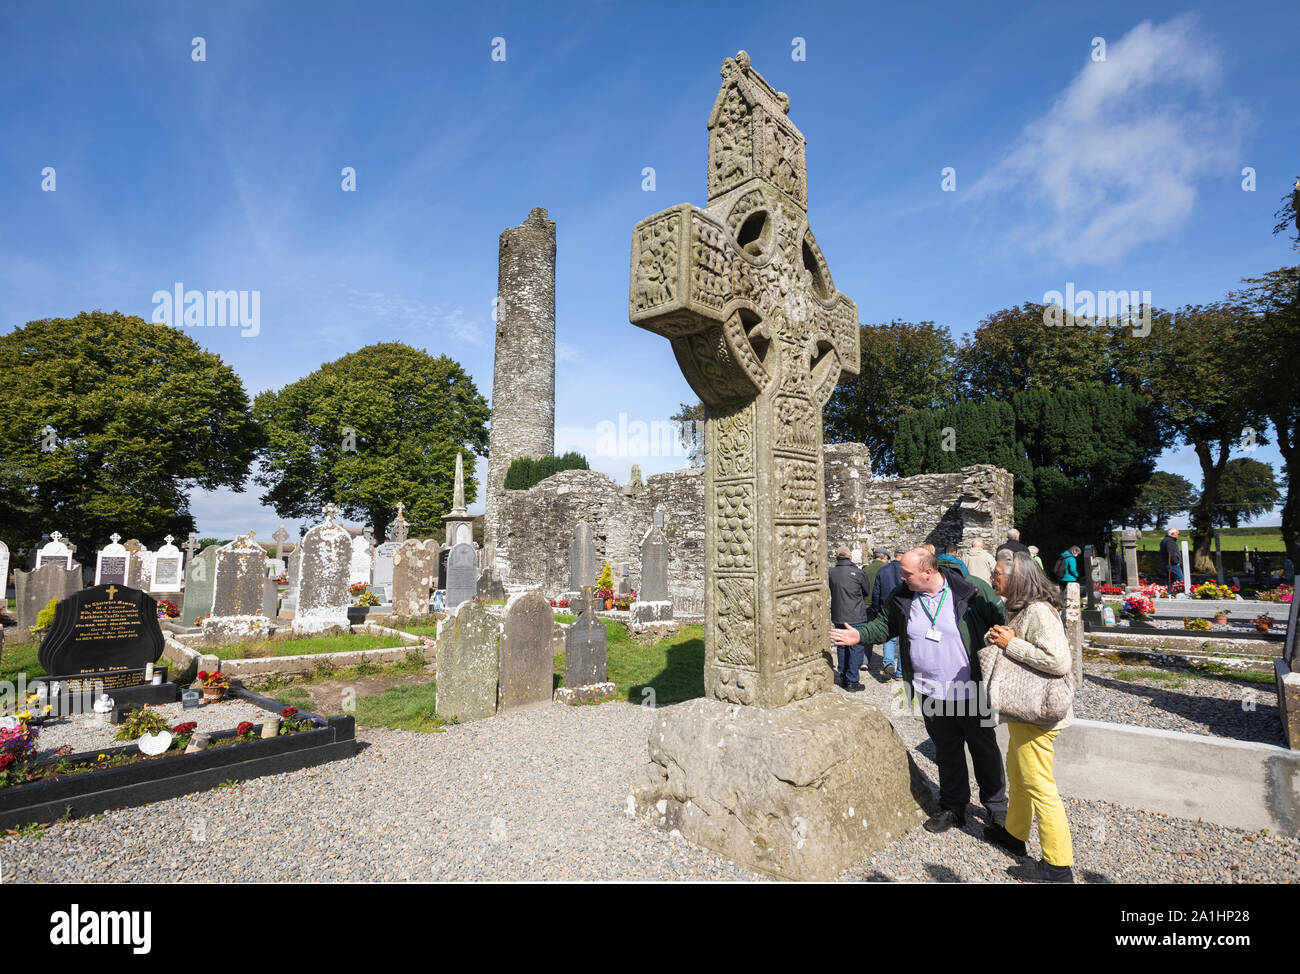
1288	702
587	694
799	792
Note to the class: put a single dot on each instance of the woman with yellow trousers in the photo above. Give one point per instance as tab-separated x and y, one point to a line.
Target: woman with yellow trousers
1035	637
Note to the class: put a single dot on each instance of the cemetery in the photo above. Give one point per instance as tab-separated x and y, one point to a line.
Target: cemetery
638	680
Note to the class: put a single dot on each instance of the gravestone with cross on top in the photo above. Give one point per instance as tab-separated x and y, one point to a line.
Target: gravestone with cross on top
809	782
761	334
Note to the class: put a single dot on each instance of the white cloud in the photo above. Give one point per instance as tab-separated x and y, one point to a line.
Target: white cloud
1115	161
398	312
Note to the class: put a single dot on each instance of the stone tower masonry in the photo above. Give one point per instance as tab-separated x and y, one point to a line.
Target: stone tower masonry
523	376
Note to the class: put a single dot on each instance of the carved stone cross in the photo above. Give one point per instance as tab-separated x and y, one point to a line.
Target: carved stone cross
115	537
280	537
191	546
743	293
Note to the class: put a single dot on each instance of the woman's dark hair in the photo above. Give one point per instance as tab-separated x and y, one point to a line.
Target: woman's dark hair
1026	582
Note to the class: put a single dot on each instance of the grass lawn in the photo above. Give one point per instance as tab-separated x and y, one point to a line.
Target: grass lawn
408	707
18	658
672	668
342	643
1234	539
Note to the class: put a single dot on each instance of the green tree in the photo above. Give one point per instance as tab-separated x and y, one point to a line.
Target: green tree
1193	366
526	472
906	366
1271	331
107	422
1013	350
1246	490
378	426
1160	498
1288	215
690	429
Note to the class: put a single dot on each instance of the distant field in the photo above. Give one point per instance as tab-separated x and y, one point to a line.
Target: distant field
1234	539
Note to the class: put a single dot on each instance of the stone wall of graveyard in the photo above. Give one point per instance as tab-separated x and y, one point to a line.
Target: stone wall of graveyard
523	380
537	524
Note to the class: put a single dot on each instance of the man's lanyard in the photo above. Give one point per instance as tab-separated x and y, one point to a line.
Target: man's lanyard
937	609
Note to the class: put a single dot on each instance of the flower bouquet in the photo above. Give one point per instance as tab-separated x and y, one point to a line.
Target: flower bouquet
1137	607
215	684
167	609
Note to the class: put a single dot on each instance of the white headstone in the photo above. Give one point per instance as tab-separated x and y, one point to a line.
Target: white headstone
54	550
1187	568
359	570
382	574
166	573
4	568
112	564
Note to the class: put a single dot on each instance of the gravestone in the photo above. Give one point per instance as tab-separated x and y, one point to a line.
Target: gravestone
584	560
1129	539
398	530
462	574
525	674
270	596
467	665
459	523
54	551
1286	673
4	569
166	575
584	655
1187	568
135	572
489	587
442	568
108	629
200	581
237	578
743	293
383	570
1072	616
324	564
280	537
111	563
654	566
33	590
360	563
412	579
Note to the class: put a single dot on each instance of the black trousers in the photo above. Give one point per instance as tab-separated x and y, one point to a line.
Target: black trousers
954	726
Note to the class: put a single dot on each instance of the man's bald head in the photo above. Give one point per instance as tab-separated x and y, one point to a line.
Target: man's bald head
977	543
920	570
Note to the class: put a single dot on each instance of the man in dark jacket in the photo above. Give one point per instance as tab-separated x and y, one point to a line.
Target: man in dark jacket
879	558
1170	556
940	619
849	594
887	579
1013	543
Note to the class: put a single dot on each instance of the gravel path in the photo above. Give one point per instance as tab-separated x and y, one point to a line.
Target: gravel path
541	795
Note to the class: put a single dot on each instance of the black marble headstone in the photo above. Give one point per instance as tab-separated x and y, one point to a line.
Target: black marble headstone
107	628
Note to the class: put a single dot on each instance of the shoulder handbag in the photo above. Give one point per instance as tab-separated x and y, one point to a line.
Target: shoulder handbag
1021	693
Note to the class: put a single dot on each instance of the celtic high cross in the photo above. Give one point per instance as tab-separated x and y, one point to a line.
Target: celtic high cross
762	336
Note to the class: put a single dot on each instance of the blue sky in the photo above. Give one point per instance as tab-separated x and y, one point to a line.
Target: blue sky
226	173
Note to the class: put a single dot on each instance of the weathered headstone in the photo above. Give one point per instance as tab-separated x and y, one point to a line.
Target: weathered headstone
460	523
200	583
584	656
360	563
398	530
111	563
280	537
462	574
467	664
526	659
136	572
270	597
808	783
1129	539
654	566
54	551
237	578
489	587
1073	618
1286	673
412	579
33	590
324	558
107	629
166	575
584	559
4	569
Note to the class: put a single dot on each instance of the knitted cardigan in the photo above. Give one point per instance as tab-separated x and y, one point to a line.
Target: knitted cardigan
1040	642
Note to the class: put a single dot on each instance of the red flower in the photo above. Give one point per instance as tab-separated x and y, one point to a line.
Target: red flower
288	711
203	674
186	727
6	760
243	728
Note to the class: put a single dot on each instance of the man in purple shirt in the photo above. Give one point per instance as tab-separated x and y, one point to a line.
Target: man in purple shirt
940	619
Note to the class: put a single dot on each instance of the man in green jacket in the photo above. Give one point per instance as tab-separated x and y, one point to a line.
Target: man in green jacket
940	618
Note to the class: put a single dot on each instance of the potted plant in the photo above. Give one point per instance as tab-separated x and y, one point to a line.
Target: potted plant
1138	607
1263	623
215	685
1195	625
1221	618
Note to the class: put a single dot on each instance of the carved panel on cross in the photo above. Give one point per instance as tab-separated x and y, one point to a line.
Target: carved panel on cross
797	487
731	147
657	262
733	604
783	159
733	442
797	423
734	526
798	635
800	554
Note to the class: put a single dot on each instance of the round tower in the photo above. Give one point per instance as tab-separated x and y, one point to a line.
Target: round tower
523	374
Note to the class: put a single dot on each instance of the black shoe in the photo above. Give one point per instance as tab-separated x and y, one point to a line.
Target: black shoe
854	687
890	671
1001	837
1040	871
944	820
